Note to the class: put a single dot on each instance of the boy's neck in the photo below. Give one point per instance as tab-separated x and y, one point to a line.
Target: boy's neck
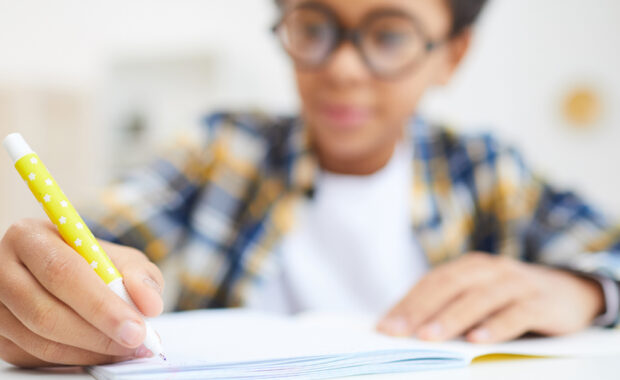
367	165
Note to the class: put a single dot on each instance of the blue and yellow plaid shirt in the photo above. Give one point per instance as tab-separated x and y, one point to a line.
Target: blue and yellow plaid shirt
224	196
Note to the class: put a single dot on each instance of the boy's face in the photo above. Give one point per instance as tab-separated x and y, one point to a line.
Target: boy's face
352	113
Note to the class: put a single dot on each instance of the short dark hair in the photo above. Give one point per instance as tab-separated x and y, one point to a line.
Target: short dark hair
464	13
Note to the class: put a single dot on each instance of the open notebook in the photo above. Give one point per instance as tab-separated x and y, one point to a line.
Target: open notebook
243	344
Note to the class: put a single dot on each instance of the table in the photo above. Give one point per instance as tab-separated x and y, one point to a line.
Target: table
603	368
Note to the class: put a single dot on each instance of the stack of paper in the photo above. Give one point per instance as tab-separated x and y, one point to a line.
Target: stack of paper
241	344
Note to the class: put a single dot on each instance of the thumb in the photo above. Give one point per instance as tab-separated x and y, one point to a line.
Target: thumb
142	278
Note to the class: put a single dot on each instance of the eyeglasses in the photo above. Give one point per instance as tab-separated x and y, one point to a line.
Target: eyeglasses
390	42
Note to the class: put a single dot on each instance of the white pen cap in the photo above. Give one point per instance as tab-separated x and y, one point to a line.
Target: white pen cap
16	146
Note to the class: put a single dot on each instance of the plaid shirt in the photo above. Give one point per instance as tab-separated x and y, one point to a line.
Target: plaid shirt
224	196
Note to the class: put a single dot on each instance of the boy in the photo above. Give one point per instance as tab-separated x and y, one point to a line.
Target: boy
355	204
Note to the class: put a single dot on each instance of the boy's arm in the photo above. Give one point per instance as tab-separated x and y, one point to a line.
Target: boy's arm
557	228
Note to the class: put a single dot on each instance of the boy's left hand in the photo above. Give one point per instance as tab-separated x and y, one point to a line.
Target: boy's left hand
491	299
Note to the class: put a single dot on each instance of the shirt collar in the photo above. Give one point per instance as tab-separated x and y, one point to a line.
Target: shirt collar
302	163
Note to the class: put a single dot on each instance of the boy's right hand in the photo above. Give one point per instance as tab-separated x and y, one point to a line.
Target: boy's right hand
54	309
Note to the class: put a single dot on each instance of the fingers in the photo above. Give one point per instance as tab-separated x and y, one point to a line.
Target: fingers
142	278
67	276
11	353
509	323
434	291
35	350
46	316
471	308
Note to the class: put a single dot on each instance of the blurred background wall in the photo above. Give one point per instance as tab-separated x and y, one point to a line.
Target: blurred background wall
95	86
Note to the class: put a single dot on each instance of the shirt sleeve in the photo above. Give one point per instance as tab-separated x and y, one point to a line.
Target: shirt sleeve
556	228
149	209
611	292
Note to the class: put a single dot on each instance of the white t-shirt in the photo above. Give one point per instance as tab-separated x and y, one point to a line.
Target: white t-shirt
352	248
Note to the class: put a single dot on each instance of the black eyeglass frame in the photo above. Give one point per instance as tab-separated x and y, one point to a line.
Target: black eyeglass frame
354	36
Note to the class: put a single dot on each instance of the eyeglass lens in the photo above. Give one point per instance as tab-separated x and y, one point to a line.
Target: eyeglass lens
388	43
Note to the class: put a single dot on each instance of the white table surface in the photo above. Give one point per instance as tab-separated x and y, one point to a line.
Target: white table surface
529	369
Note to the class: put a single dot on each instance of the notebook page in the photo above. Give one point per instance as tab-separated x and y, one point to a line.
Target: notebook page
237	343
206	338
588	343
221	336
591	342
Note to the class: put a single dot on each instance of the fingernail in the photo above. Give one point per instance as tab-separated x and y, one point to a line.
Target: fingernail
130	333
143	352
480	335
152	284
431	331
395	326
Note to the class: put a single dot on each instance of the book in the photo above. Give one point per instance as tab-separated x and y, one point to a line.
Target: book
246	344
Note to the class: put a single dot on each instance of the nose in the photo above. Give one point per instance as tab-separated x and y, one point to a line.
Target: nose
346	66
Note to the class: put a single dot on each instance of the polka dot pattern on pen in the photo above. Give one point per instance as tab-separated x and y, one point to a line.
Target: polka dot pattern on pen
67	220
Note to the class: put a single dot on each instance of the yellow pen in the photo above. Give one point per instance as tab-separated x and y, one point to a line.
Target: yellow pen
70	225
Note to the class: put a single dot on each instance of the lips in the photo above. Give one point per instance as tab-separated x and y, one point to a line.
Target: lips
345	117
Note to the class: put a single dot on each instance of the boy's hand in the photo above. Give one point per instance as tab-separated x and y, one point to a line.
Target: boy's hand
54	309
491	299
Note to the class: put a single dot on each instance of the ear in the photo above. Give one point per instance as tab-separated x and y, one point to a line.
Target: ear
455	50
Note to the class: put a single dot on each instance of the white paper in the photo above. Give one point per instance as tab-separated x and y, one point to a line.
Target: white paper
247	344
